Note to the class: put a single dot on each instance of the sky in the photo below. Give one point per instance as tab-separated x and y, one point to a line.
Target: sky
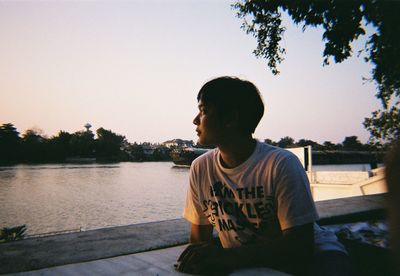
135	67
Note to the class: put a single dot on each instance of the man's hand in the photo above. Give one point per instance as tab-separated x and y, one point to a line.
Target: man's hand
292	252
205	258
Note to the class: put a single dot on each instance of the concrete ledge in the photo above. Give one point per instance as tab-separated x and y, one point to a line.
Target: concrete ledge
36	253
351	209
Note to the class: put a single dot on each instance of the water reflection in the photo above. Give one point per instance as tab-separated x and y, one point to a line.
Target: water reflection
7	173
51	198
180	168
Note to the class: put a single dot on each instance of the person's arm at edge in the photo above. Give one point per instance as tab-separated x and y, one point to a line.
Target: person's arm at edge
201	233
295	246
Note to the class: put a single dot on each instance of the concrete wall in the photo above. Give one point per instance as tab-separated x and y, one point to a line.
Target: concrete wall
339	177
336	185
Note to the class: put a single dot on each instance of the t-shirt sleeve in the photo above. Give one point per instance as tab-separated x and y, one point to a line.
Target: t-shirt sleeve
193	210
295	205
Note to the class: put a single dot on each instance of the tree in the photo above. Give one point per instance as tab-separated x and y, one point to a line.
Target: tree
136	152
270	142
342	22
328	145
384	124
108	144
9	144
352	143
34	146
306	142
286	142
60	146
82	144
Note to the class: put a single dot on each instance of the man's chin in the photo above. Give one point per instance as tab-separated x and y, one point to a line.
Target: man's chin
205	143
201	143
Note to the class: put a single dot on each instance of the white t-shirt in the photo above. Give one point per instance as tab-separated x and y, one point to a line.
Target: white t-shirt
255	201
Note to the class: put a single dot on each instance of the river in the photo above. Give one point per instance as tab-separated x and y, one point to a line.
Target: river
52	198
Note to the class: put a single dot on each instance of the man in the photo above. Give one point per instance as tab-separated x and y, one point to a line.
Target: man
256	196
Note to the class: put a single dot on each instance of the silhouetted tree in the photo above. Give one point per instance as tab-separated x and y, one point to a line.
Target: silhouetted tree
109	145
328	145
82	144
34	146
60	146
136	152
352	143
286	142
342	22
306	142
270	142
9	144
161	154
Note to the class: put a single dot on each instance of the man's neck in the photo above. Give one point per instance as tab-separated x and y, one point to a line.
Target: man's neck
235	151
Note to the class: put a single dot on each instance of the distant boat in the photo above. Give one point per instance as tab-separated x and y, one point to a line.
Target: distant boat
185	156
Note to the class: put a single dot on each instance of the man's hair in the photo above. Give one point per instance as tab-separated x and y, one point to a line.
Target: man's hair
229	94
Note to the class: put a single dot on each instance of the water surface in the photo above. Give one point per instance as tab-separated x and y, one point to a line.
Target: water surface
50	198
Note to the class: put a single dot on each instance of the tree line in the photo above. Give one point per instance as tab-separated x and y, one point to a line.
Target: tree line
350	143
34	147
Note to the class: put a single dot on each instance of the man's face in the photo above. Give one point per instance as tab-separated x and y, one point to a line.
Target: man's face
209	125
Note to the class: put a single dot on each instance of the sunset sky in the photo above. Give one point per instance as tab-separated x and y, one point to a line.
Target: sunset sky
135	67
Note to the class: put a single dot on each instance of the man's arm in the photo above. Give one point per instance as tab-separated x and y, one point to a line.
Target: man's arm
292	251
200	236
201	233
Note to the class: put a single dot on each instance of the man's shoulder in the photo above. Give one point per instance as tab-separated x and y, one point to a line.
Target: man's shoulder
280	157
204	158
273	152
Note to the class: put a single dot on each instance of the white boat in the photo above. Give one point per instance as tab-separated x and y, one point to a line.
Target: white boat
185	156
339	184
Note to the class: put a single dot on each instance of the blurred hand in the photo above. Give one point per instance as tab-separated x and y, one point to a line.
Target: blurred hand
205	258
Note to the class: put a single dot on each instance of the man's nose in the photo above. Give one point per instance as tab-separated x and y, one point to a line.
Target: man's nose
196	120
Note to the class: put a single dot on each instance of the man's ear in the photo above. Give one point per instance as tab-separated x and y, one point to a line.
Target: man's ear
231	119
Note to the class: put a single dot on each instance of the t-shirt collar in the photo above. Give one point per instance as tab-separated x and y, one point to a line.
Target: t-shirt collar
241	166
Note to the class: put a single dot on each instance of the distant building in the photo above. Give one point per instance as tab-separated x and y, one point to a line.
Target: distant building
148	150
178	143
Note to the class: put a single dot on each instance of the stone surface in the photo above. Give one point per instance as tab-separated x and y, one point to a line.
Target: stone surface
69	248
155	262
351	209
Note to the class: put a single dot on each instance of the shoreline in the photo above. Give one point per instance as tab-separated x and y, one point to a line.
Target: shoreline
319	157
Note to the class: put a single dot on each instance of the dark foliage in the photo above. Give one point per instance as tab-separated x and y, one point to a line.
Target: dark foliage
342	22
34	147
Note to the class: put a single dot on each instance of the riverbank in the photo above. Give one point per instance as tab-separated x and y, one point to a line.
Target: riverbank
326	157
43	252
